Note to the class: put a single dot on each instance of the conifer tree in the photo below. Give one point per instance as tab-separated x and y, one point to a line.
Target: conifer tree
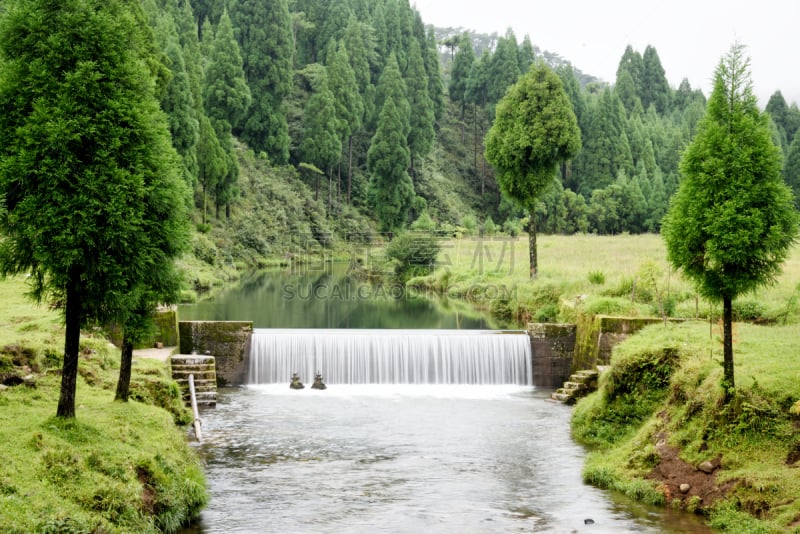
226	94
435	83
791	170
265	39
178	103
503	67
525	55
655	89
533	132
88	170
392	85
459	74
732	222
391	191
321	145
348	102
421	132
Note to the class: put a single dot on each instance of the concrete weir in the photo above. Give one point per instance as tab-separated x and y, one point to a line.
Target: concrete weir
552	349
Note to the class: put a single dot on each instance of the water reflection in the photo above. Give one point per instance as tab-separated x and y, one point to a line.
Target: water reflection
333	299
400	459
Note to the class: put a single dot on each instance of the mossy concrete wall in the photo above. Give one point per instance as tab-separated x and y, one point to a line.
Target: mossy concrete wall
598	334
165	330
552	350
227	341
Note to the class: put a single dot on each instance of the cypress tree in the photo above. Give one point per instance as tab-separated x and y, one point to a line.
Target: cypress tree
226	95
732	222
391	85
459	74
321	145
420	135
533	132
655	89
348	102
265	40
88	170
391	191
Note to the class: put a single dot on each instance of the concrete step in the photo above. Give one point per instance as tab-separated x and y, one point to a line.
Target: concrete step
560	397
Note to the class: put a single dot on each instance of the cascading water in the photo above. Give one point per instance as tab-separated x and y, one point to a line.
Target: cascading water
391	356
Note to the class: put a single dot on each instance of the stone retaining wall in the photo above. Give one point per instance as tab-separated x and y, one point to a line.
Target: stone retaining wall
227	341
552	349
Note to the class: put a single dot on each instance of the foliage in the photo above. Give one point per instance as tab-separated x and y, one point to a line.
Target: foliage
755	435
414	253
732	222
87	163
391	189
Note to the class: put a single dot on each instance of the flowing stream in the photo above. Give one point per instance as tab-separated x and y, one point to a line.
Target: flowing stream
443	451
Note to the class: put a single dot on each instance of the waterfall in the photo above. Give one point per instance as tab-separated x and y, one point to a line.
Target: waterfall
391	356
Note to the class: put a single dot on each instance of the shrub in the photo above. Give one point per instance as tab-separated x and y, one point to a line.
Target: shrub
597	278
414	254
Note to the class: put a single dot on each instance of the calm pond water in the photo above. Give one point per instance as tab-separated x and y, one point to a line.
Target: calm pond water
394	458
329	298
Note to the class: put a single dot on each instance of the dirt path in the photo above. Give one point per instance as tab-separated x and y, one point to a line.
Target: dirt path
156	354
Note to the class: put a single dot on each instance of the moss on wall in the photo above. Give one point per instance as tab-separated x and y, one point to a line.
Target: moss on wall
227	341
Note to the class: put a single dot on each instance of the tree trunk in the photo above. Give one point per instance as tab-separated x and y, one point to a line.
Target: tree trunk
126	361
72	344
205	202
532	254
728	382
349	169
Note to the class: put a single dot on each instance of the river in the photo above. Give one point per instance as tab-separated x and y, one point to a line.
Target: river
398	458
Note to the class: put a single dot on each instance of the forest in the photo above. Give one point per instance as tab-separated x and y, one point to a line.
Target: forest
323	120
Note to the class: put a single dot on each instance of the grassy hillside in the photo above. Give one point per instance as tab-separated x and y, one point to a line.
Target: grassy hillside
659	416
117	467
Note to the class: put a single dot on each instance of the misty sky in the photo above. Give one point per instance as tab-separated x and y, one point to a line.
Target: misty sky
691	36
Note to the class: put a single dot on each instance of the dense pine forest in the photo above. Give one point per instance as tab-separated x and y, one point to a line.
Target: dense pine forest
313	121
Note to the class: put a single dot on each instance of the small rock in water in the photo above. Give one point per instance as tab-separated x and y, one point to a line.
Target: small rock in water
318	383
295	383
588	521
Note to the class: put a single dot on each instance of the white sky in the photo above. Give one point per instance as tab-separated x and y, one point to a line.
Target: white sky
690	36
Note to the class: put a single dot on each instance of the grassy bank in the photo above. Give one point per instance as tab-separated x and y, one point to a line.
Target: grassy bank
614	275
117	467
659	415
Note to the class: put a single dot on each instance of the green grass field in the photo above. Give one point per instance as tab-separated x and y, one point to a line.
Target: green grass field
117	467
624	274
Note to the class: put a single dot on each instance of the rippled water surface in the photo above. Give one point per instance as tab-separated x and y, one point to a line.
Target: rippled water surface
404	459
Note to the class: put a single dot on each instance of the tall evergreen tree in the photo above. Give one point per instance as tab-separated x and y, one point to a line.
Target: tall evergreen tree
606	150
459	74
655	89
226	94
212	160
86	161
391	191
178	103
435	84
525	54
533	132
503	67
392	85
360	47
265	39
421	132
348	102
322	145
632	63
732	222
